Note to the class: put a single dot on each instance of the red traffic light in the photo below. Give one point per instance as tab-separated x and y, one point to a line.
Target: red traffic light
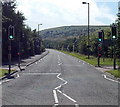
99	48
99	55
18	53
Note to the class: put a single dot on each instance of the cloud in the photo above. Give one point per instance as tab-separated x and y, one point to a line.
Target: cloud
54	13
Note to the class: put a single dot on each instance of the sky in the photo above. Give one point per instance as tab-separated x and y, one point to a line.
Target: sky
55	13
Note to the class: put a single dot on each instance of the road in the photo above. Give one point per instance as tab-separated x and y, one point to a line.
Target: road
60	79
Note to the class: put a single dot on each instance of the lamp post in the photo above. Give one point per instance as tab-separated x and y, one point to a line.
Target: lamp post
88	26
40	38
38	28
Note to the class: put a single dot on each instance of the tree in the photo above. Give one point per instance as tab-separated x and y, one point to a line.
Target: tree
24	36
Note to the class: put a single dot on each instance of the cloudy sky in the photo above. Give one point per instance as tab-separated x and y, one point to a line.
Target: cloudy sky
55	13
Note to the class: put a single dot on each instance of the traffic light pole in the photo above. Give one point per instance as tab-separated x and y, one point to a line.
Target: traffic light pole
98	61
114	55
9	56
114	34
10	37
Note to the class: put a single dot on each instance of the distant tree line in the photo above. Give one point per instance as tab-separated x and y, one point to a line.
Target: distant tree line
26	41
79	44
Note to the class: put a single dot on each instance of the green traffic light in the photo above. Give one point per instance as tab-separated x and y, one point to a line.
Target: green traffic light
100	39
11	37
113	37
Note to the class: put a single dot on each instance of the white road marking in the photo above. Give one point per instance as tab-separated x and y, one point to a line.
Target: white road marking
40	73
65	82
5	81
54	91
110	79
76	105
60	64
35	62
67	96
55	97
55	105
18	75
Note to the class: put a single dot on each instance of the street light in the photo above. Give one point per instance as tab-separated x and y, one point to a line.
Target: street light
39	37
88	26
38	28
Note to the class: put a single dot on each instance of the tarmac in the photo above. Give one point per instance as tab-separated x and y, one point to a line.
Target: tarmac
26	62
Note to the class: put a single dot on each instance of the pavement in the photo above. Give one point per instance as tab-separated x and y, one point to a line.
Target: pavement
60	79
24	63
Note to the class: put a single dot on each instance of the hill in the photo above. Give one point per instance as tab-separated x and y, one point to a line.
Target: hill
64	32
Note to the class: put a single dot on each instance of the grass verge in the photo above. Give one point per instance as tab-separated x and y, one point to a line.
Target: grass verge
116	73
4	71
92	60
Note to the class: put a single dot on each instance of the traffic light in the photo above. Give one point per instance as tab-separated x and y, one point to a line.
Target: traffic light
100	36
11	32
114	32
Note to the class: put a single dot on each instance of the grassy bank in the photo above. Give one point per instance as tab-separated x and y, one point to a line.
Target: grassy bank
3	72
116	73
93	61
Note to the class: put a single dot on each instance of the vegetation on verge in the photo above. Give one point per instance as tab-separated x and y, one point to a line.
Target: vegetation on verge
116	73
92	60
3	72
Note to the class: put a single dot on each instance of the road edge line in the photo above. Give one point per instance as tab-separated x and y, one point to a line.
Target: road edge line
105	77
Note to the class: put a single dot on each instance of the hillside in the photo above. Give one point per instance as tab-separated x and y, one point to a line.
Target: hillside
64	32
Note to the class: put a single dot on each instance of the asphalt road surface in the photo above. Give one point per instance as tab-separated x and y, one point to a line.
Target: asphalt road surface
60	79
